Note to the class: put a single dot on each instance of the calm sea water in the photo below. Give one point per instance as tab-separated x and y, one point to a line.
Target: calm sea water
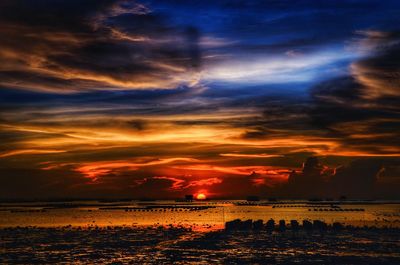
206	215
166	232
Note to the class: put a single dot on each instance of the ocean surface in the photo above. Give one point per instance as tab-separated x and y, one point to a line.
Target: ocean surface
166	232
207	214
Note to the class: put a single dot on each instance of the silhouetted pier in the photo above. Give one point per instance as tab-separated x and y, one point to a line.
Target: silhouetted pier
308	226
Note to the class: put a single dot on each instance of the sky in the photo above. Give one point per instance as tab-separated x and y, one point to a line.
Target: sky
158	99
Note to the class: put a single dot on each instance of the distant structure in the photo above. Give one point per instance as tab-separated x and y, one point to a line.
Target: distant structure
252	198
189	197
147	199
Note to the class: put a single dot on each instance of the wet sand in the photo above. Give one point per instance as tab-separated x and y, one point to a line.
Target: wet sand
200	233
177	245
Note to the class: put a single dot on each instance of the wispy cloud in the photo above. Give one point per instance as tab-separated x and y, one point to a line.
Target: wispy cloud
250	155
30	152
159	98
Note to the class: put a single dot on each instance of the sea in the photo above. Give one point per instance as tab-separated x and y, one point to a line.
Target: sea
170	232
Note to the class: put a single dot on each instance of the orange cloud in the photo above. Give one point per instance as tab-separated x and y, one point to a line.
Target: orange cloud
181	184
204	182
177	184
94	170
250	155
235	170
30	152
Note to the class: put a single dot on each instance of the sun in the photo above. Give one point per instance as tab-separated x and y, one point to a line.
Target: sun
201	196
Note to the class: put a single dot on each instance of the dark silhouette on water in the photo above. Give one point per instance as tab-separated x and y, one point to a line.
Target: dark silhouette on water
307	225
316	226
294	225
270	226
320	226
337	227
258	225
282	226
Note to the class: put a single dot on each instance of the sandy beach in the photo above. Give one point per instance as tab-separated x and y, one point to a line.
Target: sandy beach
152	245
213	232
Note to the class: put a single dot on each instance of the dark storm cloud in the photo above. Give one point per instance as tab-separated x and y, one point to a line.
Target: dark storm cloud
361	178
65	46
359	111
363	110
83	87
380	74
29	182
281	26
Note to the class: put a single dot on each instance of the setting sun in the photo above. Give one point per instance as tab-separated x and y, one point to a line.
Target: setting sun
201	196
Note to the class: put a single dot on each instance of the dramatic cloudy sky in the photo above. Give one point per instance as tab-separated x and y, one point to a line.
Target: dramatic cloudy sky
123	98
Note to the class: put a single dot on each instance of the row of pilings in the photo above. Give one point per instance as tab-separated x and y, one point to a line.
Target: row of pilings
282	226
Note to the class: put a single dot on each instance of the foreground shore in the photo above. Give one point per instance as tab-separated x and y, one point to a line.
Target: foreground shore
182	245
215	232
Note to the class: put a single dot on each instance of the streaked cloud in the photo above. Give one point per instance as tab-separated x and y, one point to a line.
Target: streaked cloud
30	152
95	48
129	98
250	155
